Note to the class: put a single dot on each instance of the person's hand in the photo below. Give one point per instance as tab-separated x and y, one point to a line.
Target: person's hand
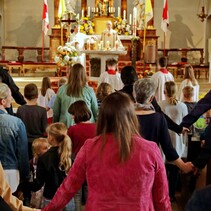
185	130
187	167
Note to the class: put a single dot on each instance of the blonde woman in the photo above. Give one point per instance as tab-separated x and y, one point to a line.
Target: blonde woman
53	166
176	110
189	80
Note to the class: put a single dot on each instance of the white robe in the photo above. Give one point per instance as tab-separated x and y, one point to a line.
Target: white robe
79	38
114	80
185	83
159	79
111	36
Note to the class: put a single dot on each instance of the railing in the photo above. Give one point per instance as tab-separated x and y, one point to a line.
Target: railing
21	52
184	52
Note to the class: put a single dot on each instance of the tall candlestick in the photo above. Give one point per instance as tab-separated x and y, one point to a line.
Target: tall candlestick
88	12
118	11
124	14
82	13
130	19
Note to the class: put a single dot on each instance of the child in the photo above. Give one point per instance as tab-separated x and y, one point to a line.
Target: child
176	110
53	166
189	80
111	76
33	116
39	147
79	133
45	95
103	90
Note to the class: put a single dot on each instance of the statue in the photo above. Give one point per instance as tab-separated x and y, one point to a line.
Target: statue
140	6
70	6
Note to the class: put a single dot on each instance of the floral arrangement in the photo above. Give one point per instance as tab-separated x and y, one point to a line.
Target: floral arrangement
65	54
122	26
86	25
148	73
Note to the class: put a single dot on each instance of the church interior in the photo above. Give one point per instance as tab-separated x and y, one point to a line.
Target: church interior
28	54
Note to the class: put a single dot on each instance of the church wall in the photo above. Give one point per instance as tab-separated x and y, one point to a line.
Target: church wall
23	23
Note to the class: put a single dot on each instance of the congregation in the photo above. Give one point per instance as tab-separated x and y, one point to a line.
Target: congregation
77	147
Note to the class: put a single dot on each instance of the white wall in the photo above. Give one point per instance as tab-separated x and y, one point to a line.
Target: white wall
23	19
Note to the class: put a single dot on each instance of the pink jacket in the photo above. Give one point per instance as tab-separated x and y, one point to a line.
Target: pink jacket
138	184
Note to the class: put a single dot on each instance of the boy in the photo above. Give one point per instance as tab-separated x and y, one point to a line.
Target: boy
111	76
33	116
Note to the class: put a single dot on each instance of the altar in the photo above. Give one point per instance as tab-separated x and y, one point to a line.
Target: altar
101	56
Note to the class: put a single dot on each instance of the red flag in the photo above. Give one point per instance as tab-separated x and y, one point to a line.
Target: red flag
45	18
165	16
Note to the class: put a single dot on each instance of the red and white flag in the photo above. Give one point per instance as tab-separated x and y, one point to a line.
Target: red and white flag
165	16
45	18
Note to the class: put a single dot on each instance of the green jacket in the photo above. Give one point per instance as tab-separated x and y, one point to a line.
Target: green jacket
63	101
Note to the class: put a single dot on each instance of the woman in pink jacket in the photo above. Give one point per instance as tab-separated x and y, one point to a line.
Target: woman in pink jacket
123	170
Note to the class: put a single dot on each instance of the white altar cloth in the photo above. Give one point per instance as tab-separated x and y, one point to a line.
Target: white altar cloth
103	55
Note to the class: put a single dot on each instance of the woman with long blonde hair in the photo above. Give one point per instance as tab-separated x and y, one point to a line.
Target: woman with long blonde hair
54	165
76	89
189	80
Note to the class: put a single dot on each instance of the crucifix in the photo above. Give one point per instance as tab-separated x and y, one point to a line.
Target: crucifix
68	21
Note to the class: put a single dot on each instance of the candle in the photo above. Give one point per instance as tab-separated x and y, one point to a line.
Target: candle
77	16
118	12
113	9
130	19
109	9
124	14
101	45
88	12
82	13
88	44
107	44
116	44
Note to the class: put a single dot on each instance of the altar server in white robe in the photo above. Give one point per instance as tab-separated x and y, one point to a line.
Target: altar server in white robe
78	39
110	36
111	75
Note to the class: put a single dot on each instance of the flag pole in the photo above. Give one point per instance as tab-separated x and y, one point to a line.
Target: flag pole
164	44
43	45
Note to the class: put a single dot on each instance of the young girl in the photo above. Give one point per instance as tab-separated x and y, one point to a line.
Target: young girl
45	95
79	133
189	80
176	110
53	166
39	147
103	90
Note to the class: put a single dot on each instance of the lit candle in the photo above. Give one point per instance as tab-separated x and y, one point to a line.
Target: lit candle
118	11
130	19
82	13
88	12
124	14
107	44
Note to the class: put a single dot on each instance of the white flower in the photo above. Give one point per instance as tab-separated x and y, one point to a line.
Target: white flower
56	59
66	58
